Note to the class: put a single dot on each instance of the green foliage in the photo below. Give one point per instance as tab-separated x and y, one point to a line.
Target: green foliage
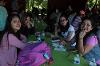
99	3
36	3
44	4
91	3
40	25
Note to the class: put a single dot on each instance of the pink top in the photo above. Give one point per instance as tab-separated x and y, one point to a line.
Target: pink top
93	41
8	49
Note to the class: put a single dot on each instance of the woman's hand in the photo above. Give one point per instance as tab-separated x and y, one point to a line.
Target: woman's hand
82	34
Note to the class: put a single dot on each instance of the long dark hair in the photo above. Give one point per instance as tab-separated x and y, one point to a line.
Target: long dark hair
62	28
8	27
93	31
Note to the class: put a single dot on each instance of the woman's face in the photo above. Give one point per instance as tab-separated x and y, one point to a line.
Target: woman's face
15	23
86	25
63	21
27	20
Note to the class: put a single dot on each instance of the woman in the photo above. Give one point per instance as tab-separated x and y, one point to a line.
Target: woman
88	42
8	42
66	30
13	39
27	26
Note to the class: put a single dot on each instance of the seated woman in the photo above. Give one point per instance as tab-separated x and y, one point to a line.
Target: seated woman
88	42
13	39
27	25
65	30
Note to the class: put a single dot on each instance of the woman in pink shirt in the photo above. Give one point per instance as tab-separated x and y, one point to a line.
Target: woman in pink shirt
88	43
12	39
9	43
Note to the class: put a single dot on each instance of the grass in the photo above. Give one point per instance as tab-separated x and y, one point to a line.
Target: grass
60	58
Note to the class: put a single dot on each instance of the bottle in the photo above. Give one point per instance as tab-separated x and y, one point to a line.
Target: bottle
92	62
42	36
38	38
77	59
46	56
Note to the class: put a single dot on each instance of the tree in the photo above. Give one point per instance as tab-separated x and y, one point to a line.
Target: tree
36	3
92	3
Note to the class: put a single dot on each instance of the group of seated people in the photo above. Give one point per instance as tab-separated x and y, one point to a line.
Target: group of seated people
35	54
85	39
11	39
